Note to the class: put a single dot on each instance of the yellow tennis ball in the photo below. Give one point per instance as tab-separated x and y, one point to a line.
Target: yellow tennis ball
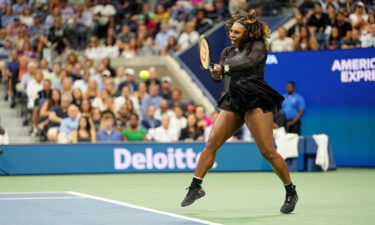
144	74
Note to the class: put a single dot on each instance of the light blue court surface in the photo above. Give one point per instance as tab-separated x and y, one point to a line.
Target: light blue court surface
73	208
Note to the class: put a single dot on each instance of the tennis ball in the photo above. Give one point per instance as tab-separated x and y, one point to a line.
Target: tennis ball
144	74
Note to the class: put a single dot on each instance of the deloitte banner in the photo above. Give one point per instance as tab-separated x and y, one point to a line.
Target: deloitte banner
120	158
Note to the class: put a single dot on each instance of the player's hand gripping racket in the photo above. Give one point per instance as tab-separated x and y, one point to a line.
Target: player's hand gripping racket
204	52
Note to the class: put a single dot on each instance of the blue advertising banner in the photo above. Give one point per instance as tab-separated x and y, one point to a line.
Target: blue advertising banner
119	158
339	90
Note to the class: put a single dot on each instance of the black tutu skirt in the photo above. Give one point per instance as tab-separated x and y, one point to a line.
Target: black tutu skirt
250	93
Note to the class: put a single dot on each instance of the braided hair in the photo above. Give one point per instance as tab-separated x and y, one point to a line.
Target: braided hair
257	29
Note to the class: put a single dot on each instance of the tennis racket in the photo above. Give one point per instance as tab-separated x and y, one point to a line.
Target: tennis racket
204	53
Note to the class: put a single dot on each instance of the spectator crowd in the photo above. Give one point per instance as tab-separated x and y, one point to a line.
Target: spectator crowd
55	62
328	25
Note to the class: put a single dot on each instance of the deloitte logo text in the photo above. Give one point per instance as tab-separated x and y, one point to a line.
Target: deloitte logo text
171	159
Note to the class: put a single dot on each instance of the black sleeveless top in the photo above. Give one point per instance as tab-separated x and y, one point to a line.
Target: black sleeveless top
83	139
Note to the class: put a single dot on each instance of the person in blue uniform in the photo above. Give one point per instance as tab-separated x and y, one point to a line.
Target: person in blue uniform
293	106
250	100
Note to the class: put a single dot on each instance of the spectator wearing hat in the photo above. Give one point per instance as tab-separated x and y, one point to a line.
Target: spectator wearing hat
108	133
130	81
359	17
166	92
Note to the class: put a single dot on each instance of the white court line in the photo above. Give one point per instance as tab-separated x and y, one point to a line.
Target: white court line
16	193
38	198
141	208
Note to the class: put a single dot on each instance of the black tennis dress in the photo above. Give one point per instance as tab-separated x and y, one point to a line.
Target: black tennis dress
247	88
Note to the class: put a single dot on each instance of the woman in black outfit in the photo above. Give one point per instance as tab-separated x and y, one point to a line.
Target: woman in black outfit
250	100
85	133
191	132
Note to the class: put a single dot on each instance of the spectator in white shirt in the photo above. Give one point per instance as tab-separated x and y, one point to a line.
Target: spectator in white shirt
125	96
164	110
161	39
82	83
188	37
359	17
283	43
99	102
178	121
164	133
104	15
33	87
368	36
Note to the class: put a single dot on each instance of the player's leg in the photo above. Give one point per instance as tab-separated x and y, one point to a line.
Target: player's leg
260	124
225	126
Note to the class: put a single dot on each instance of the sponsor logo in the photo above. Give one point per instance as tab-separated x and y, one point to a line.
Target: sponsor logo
355	70
272	59
150	160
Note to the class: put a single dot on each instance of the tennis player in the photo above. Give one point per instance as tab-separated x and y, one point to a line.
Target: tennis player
250	100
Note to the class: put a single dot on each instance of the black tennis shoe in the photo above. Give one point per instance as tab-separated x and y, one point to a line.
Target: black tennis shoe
192	195
289	203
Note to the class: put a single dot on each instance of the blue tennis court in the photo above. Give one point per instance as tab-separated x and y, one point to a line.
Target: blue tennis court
63	208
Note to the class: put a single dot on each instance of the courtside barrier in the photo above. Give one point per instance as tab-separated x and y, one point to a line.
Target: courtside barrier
133	158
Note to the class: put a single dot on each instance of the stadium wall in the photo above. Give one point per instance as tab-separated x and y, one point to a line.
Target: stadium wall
145	157
120	158
338	86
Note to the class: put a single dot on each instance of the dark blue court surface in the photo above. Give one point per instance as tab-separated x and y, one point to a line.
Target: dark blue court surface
79	209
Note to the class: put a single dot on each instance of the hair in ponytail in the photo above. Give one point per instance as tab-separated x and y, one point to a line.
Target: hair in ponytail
256	28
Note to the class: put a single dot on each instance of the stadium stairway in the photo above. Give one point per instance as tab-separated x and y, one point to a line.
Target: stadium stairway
11	121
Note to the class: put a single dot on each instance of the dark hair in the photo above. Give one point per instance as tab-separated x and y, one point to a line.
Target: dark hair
88	124
108	114
85	99
134	114
292	83
257	29
51	103
318	3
